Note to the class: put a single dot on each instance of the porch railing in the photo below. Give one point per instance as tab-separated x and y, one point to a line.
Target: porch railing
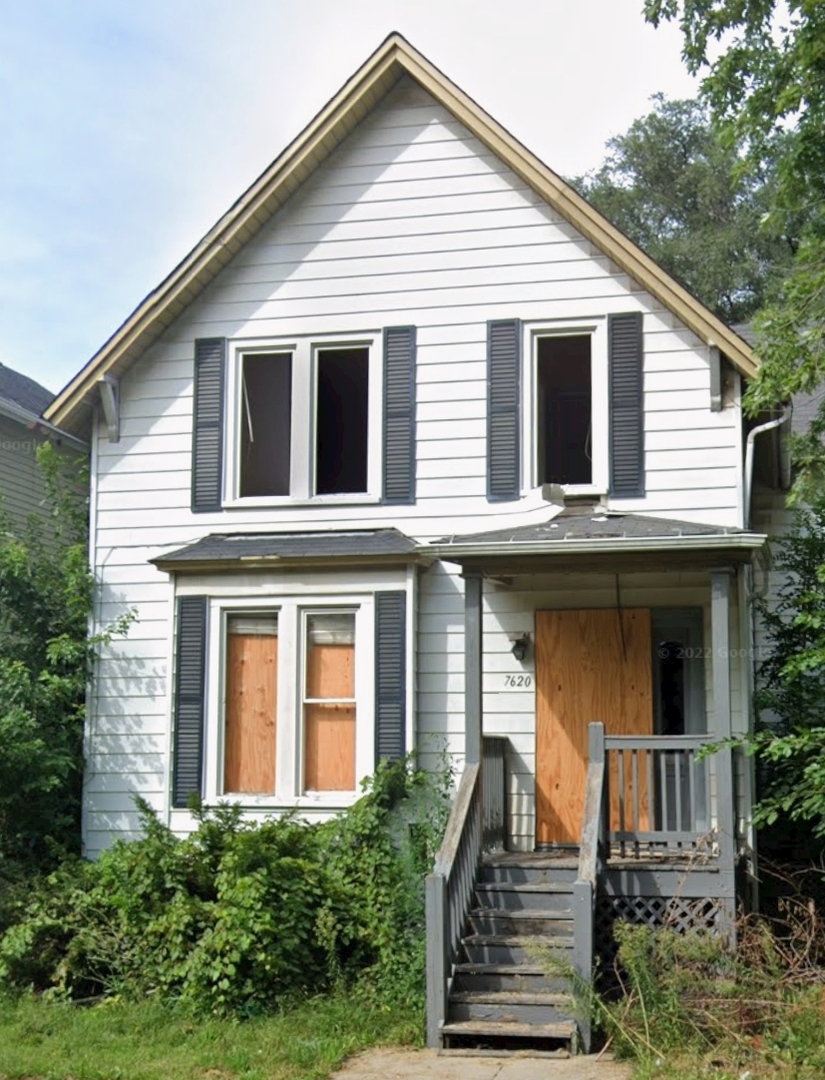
449	893
494	756
658	795
592	853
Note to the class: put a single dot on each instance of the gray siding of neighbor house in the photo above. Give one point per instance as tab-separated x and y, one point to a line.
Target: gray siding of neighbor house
22	489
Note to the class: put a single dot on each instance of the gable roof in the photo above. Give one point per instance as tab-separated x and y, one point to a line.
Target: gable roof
394	58
23	391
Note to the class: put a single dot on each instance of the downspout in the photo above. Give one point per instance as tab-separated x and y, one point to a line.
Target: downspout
748	485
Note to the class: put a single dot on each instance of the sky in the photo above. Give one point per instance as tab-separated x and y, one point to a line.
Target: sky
128	127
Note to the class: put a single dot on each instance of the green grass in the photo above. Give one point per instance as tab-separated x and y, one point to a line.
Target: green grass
150	1041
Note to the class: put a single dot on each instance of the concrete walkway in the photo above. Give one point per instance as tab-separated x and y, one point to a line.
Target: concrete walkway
401	1064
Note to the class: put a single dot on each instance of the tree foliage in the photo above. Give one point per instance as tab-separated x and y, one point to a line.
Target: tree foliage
676	187
764	78
45	597
790	697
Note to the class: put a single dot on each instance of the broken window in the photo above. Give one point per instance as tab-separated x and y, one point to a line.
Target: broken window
266	423
341	420
250	713
564	410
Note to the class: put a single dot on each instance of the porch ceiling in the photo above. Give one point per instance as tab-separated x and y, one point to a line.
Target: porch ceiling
584	538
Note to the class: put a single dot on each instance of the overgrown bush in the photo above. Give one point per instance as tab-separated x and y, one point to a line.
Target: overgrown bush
691	1006
237	917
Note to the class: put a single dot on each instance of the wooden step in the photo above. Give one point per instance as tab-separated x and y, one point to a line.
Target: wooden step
534	896
512	1007
527	978
528	870
565	1031
519	923
514	948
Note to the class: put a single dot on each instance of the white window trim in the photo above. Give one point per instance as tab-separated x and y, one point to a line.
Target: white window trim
292	611
304	351
596	329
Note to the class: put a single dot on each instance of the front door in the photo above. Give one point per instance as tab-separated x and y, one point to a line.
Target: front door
590	665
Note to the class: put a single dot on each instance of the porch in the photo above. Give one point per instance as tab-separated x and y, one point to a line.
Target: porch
637	822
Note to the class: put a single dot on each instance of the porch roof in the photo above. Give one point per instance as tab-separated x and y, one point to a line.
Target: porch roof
593	531
244	551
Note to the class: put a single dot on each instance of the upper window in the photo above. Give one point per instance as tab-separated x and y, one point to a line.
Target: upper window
306	421
566	392
564	410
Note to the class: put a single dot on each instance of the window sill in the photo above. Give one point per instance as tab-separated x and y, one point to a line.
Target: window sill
279	501
571	491
323	800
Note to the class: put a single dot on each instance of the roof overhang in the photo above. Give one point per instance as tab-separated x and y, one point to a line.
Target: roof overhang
232	553
602	555
73	406
12	411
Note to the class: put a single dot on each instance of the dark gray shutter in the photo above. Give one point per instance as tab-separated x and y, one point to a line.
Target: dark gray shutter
207	426
390	675
503	410
399	414
190	689
626	405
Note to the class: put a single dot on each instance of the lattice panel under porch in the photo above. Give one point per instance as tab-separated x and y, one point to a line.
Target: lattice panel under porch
679	913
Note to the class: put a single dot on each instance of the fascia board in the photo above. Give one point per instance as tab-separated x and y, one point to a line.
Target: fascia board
608	546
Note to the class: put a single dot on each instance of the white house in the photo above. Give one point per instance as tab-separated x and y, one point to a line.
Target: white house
415	449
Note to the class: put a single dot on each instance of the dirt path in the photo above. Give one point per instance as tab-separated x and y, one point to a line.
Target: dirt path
401	1064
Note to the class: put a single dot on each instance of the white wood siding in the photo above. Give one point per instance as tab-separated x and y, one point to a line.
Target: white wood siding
411	221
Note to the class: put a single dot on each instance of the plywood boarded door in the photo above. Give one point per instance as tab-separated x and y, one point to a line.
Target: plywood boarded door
590	665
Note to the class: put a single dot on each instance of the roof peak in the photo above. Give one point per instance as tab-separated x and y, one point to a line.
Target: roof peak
359	95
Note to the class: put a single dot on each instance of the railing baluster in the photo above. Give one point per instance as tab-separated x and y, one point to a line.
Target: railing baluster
677	792
634	779
693	823
663	790
652	807
620	760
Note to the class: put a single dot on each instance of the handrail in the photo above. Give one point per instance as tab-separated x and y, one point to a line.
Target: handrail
446	854
657	742
448	894
591	852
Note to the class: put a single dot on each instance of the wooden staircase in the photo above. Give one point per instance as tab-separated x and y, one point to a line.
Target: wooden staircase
504	993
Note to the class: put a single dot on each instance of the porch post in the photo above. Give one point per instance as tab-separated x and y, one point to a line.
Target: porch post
720	581
473	586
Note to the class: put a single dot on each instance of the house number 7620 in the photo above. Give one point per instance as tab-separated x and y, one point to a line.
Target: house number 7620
518	682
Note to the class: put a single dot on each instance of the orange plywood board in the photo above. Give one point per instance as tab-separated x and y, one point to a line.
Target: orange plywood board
590	665
329	724
329	747
251	710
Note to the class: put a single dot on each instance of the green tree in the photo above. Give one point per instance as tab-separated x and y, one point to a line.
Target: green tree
45	598
676	187
790	697
764	77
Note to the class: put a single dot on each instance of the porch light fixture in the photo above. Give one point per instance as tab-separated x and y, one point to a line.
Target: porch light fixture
520	647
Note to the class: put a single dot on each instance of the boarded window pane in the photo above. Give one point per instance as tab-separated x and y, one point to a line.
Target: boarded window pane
329	710
342	421
564	410
251	704
266	424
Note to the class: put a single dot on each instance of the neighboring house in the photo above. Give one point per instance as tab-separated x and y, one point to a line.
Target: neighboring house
22	431
415	451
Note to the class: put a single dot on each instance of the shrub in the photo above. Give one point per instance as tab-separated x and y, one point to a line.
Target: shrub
238	917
